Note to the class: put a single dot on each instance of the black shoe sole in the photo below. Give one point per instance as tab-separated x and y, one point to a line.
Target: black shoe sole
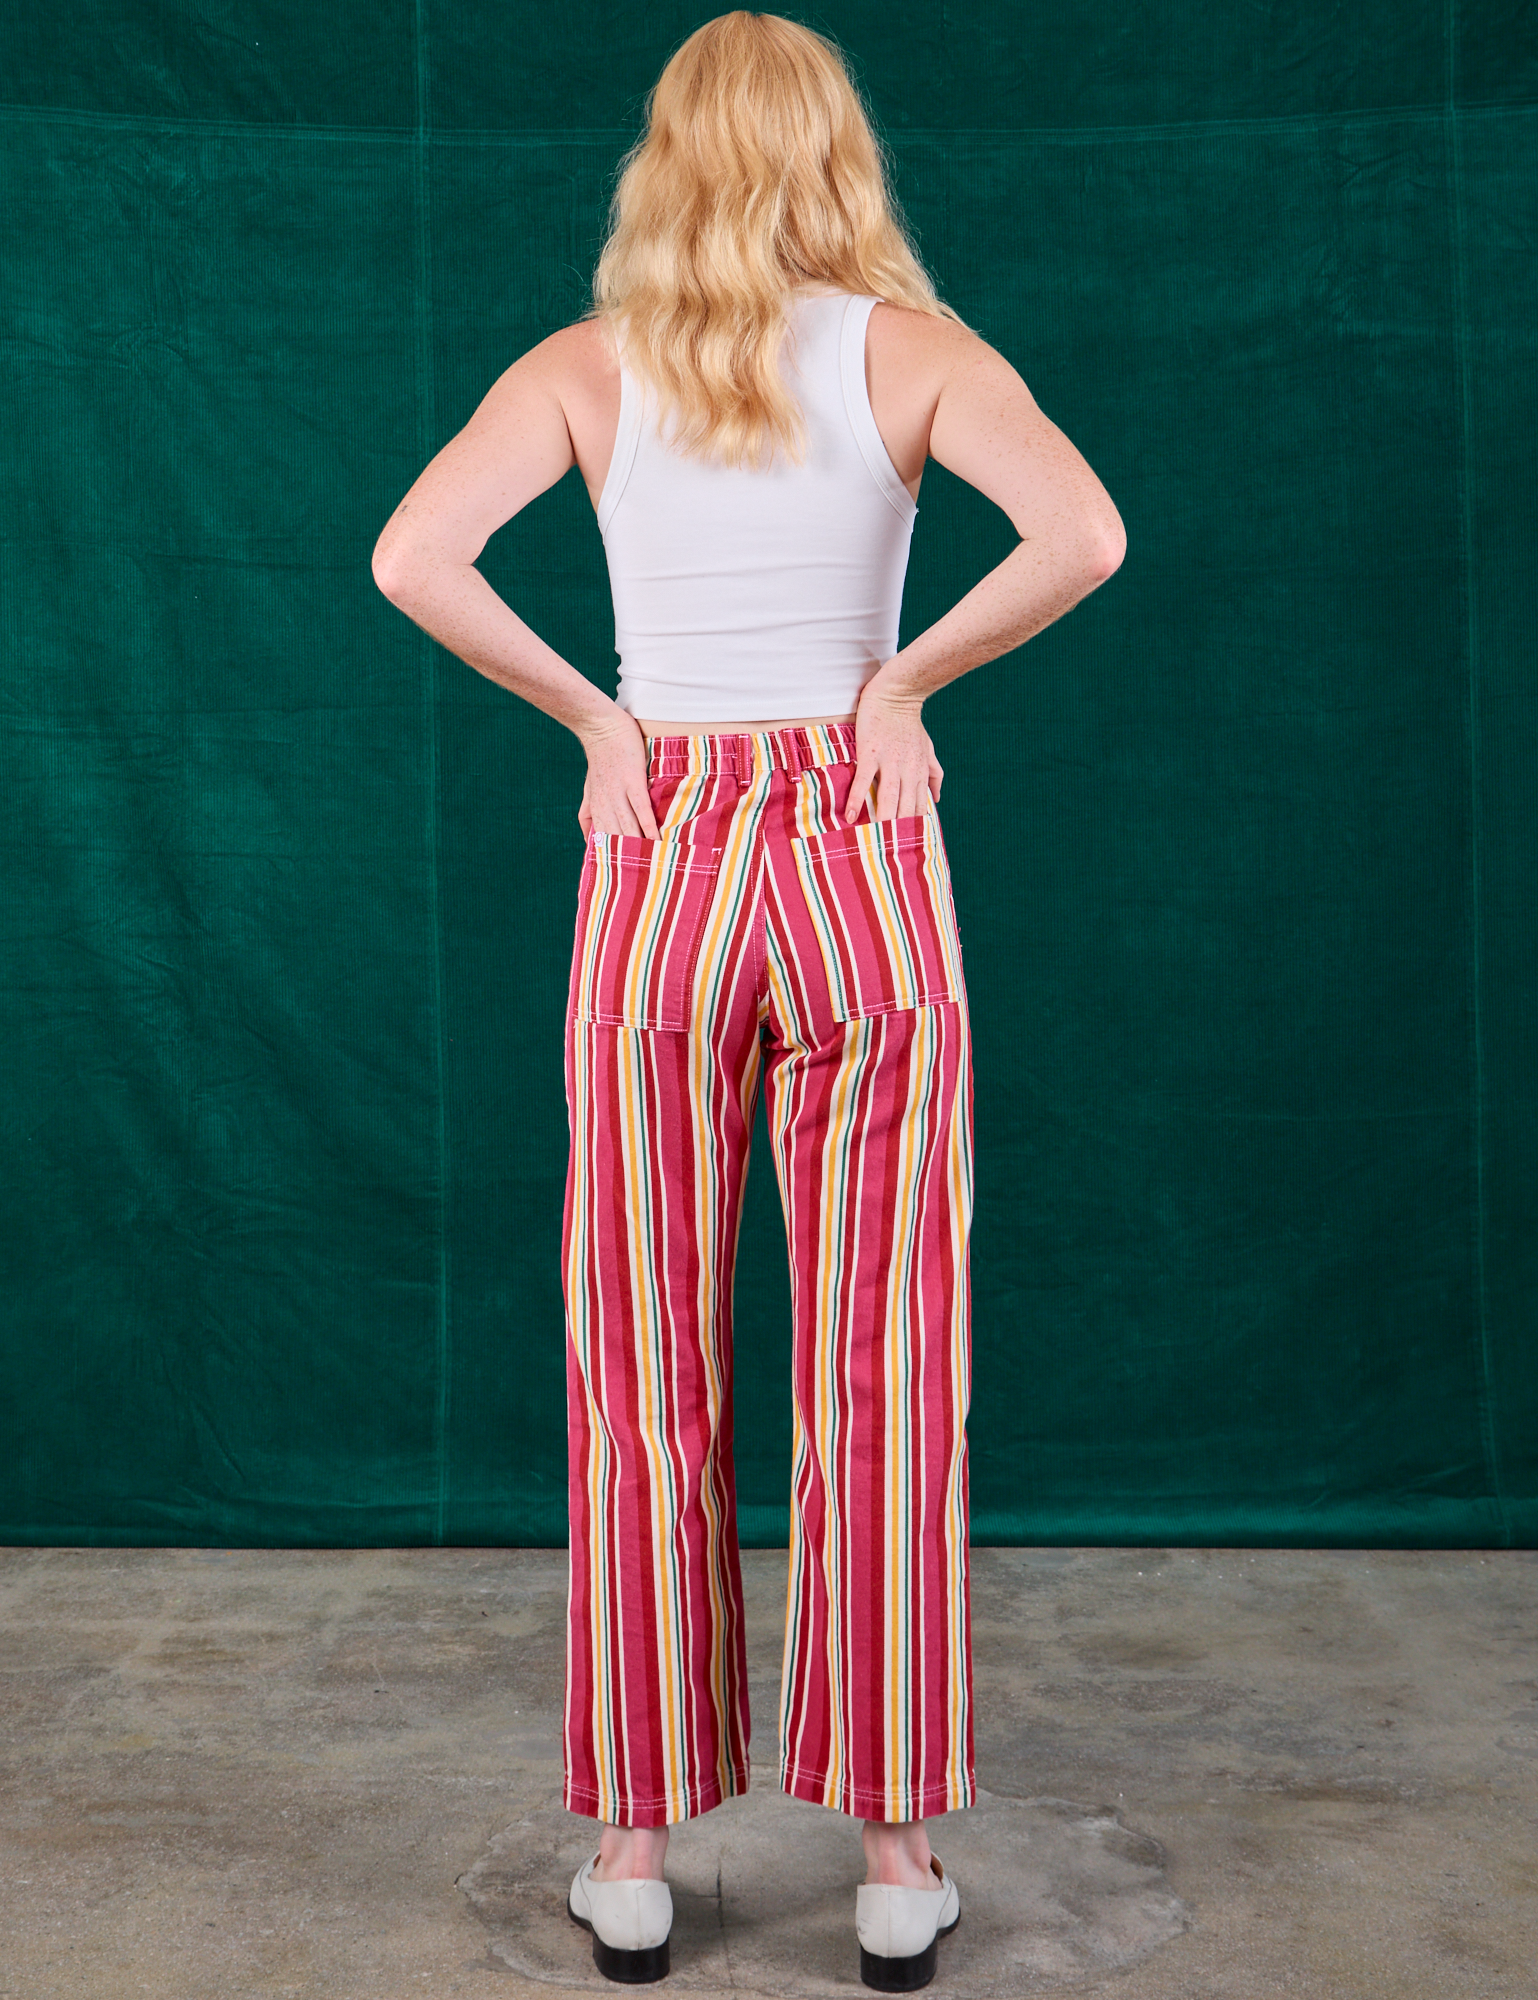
903	1975
629	1968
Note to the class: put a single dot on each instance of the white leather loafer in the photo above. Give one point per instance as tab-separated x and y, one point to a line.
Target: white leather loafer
898	1929
630	1922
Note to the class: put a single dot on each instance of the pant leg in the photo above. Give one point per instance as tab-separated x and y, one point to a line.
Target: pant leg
870	1110
662	1071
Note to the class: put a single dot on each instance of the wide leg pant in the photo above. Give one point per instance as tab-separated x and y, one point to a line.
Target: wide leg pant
760	937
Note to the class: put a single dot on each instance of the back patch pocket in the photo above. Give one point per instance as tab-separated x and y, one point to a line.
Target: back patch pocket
879	895
641	916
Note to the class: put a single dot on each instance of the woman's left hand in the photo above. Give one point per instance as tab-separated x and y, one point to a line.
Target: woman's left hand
892	752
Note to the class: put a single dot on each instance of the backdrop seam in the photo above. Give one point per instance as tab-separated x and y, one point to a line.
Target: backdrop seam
608	135
426	427
1489	1437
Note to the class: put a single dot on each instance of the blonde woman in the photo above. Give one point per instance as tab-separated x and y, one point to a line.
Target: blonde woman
764	903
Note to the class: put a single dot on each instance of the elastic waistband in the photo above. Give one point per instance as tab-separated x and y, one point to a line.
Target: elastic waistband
746	751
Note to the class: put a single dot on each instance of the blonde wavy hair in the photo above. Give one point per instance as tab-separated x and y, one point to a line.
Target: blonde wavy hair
758	172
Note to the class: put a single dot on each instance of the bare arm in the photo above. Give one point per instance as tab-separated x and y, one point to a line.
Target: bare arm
515	447
988	430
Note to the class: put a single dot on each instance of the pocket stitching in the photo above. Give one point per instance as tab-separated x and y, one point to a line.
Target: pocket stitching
852	845
685	859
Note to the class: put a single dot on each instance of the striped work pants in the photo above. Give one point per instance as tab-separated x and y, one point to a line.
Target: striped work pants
760	938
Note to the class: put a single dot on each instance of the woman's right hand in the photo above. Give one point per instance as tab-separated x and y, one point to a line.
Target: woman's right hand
616	798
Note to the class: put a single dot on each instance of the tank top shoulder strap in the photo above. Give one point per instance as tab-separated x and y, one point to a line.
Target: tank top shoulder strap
626	437
862	419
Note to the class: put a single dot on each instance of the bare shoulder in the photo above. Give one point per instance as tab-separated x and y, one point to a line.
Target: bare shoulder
930	378
579	358
926	346
567	382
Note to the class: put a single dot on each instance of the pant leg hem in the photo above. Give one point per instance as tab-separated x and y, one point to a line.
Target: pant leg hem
667	1809
864	1802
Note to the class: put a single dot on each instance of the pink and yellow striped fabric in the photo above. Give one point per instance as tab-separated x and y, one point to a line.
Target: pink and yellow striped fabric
761	941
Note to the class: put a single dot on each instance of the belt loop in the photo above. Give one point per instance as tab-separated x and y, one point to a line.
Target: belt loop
744	761
797	762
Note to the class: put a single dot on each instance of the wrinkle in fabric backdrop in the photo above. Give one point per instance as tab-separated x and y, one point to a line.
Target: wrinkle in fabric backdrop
1241	848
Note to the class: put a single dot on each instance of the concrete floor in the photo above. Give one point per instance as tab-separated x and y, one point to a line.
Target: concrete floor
1208	1775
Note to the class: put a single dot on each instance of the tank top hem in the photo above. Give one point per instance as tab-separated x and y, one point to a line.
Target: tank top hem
642	697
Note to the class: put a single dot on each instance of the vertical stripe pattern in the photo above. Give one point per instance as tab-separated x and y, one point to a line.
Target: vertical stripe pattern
760	942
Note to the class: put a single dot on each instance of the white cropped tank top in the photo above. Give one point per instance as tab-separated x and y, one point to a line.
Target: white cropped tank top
742	595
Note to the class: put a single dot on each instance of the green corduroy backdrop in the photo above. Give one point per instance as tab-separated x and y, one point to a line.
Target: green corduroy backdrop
1242	848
